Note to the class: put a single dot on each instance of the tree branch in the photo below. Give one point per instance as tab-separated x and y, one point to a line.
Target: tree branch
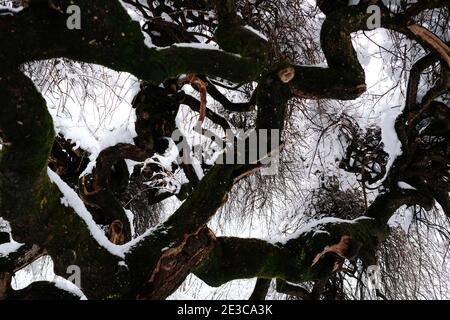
29	201
312	254
42	34
41	290
261	287
423	5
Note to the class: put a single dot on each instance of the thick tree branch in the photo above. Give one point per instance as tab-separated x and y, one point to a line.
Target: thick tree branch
37	217
414	79
41	290
29	201
37	33
313	254
96	189
432	41
261	288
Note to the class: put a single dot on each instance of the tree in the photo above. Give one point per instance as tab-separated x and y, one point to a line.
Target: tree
53	198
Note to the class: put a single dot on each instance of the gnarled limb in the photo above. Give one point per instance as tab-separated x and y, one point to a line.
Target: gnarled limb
184	224
40	33
414	79
96	189
30	202
41	290
261	287
313	254
433	41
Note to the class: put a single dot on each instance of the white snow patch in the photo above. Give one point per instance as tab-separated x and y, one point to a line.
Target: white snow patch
71	199
68	286
10	9
406	186
392	144
123	134
9	247
201	46
257	32
315	226
180	296
402	218
130	217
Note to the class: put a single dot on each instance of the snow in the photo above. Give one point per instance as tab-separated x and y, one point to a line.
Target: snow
9	247
96	116
42	270
197	168
392	144
9	7
202	46
89	137
89	130
166	17
68	286
4	225
39	270
190	139
195	289
384	83
197	46
402	218
315	226
121	135
406	186
71	199
180	296
137	17
130	217
168	158
124	134
78	134
257	32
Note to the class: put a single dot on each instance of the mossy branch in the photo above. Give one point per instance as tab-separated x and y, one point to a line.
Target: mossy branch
314	254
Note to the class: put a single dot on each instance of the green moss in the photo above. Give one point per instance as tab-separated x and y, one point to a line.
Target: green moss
237	39
271	101
216	63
